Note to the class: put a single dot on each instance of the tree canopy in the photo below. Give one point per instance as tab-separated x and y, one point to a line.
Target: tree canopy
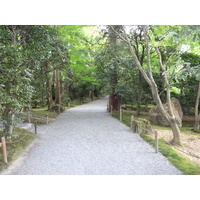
53	65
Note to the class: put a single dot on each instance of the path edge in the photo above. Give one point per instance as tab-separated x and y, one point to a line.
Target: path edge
19	161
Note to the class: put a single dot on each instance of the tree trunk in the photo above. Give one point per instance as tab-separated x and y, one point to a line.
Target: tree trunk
10	110
197	114
10	121
48	95
61	89
113	97
173	124
162	95
176	132
113	101
139	94
48	86
10	116
58	94
42	94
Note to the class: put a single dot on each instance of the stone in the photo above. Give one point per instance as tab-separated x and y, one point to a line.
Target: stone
156	118
55	108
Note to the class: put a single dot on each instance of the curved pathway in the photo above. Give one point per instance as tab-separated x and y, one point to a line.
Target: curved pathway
86	140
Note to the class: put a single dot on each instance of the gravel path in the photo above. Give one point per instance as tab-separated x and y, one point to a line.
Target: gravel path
86	140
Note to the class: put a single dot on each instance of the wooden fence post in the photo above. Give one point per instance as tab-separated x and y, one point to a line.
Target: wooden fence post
68	105
138	127
35	123
29	119
120	112
4	149
132	118
156	141
111	109
47	118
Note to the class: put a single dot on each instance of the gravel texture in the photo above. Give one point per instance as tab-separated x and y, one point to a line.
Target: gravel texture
86	140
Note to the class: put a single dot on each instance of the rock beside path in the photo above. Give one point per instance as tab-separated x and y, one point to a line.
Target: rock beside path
156	118
27	126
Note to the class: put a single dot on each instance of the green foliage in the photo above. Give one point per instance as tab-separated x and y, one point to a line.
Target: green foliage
23	52
187	80
15	79
89	64
80	41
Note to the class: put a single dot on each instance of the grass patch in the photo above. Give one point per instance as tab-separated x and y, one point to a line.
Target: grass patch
16	146
42	112
73	104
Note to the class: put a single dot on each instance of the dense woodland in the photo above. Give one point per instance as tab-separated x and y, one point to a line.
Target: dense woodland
136	65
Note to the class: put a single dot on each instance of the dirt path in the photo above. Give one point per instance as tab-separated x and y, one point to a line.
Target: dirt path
86	140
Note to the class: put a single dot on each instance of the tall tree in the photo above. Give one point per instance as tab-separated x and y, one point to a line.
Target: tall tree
169	116
27	55
113	97
16	76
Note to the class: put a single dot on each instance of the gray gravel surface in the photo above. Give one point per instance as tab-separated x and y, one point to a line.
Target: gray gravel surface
86	140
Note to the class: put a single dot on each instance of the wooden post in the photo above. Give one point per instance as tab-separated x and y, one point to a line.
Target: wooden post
29	120
35	123
111	109
156	141
137	129
132	118
120	112
4	150
68	105
47	118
